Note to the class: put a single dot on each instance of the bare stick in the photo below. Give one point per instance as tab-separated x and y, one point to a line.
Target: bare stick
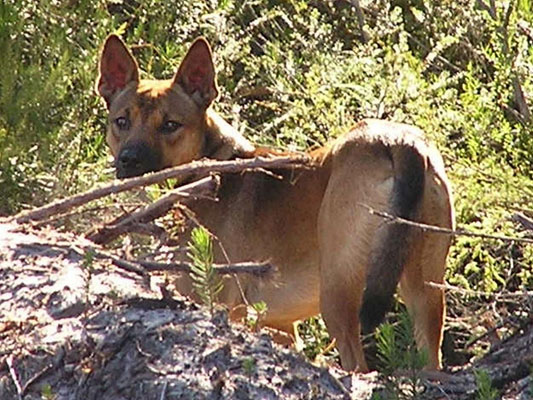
499	296
154	210
35	378
182	171
164	390
13	373
124	264
263	270
260	270
437	229
520	100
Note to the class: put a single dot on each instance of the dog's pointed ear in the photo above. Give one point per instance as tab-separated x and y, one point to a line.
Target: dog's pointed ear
196	74
118	68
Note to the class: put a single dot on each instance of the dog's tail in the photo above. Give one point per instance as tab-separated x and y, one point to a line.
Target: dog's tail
390	254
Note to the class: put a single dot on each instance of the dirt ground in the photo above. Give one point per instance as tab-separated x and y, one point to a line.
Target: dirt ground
75	326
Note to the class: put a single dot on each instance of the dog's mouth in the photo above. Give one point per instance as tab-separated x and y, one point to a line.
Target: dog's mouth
136	159
130	173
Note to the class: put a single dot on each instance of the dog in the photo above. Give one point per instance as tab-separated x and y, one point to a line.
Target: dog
335	256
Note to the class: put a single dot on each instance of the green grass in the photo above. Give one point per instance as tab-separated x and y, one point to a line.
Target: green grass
292	74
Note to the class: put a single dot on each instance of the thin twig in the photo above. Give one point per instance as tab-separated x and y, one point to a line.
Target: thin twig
499	295
58	360
340	385
164	390
488	332
437	229
438	388
261	270
194	168
128	266
13	373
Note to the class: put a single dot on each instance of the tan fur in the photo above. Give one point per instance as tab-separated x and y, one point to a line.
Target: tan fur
314	225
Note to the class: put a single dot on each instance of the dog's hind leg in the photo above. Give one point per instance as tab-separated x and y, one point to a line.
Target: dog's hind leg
427	264
425	303
347	232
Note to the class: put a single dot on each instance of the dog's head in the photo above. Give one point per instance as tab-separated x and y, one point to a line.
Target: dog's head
155	124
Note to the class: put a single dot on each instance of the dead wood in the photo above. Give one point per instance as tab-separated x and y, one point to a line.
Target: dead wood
263	270
507	364
437	229
259	270
202	187
195	168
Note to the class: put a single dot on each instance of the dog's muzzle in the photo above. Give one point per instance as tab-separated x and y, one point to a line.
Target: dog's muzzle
136	159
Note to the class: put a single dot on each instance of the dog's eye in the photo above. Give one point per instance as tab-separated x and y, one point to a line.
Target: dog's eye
169	126
122	123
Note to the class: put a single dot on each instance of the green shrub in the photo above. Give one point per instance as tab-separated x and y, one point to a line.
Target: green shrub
397	353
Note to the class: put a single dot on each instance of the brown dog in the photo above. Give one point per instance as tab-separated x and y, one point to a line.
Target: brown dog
334	256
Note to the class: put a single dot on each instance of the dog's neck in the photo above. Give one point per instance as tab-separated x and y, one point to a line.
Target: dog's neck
223	141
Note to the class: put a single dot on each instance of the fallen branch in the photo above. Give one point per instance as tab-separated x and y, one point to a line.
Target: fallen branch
263	270
259	270
52	366
202	187
182	172
437	229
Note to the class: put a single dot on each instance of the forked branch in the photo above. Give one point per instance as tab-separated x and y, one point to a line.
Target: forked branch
202	187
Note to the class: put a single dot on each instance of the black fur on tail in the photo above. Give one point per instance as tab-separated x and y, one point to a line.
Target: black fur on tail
390	254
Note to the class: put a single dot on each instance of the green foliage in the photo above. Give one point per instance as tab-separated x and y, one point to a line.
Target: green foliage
485	391
88	260
47	392
45	102
249	366
255	314
397	351
206	282
316	339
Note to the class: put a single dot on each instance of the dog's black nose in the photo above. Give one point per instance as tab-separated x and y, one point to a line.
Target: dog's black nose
136	159
129	159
